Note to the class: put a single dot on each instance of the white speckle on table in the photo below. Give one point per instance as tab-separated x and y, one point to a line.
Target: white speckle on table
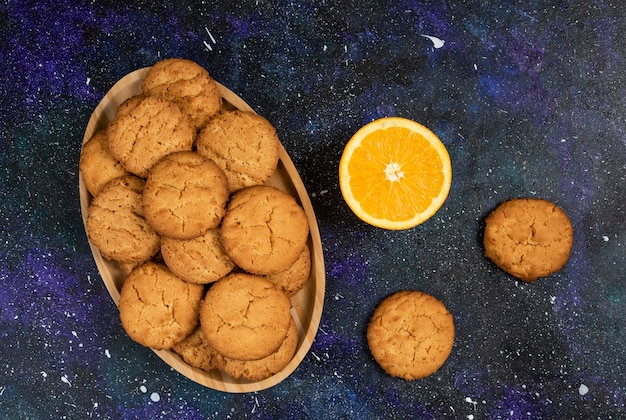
470	401
155	397
44	374
107	354
583	389
437	43
206	44
552	299
605	238
65	380
143	389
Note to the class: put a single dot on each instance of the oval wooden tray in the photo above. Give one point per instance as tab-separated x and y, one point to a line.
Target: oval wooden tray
307	304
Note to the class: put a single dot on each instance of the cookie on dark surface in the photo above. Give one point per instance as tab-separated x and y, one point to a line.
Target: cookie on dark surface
528	238
411	334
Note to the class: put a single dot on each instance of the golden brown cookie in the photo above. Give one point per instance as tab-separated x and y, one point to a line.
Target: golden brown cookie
128	105
264	230
293	279
197	352
188	85
245	317
411	334
199	260
147	129
243	144
157	309
528	238
256	370
115	222
185	195
97	165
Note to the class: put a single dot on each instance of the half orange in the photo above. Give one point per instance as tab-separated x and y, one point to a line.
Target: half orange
395	173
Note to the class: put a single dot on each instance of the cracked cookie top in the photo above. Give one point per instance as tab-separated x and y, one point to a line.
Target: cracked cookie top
97	164
158	309
245	317
264	230
185	195
294	278
187	84
144	129
256	370
200	260
411	334
116	224
244	144
528	238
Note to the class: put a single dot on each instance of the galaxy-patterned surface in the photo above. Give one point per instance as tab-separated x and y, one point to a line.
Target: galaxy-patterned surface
528	97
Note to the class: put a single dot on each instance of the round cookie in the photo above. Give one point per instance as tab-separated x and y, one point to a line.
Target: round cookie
264	230
197	352
185	195
293	279
199	260
244	144
256	370
528	238
147	129
188	85
97	165
411	334
157	309
128	105
115	222
245	317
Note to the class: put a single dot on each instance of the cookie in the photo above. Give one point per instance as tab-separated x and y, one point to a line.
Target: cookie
264	230
245	317
411	334
147	129
188	85
293	279
115	222
128	105
158	309
185	195
199	260
244	144
197	352
257	370
97	165
528	238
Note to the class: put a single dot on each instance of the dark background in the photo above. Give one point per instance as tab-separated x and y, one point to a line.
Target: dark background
528	97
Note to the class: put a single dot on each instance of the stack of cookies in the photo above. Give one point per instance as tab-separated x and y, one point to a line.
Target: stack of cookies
180	200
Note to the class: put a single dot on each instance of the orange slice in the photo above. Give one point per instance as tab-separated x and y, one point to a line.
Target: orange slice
395	173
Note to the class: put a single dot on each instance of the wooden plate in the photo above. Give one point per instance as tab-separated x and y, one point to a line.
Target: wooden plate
307	304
